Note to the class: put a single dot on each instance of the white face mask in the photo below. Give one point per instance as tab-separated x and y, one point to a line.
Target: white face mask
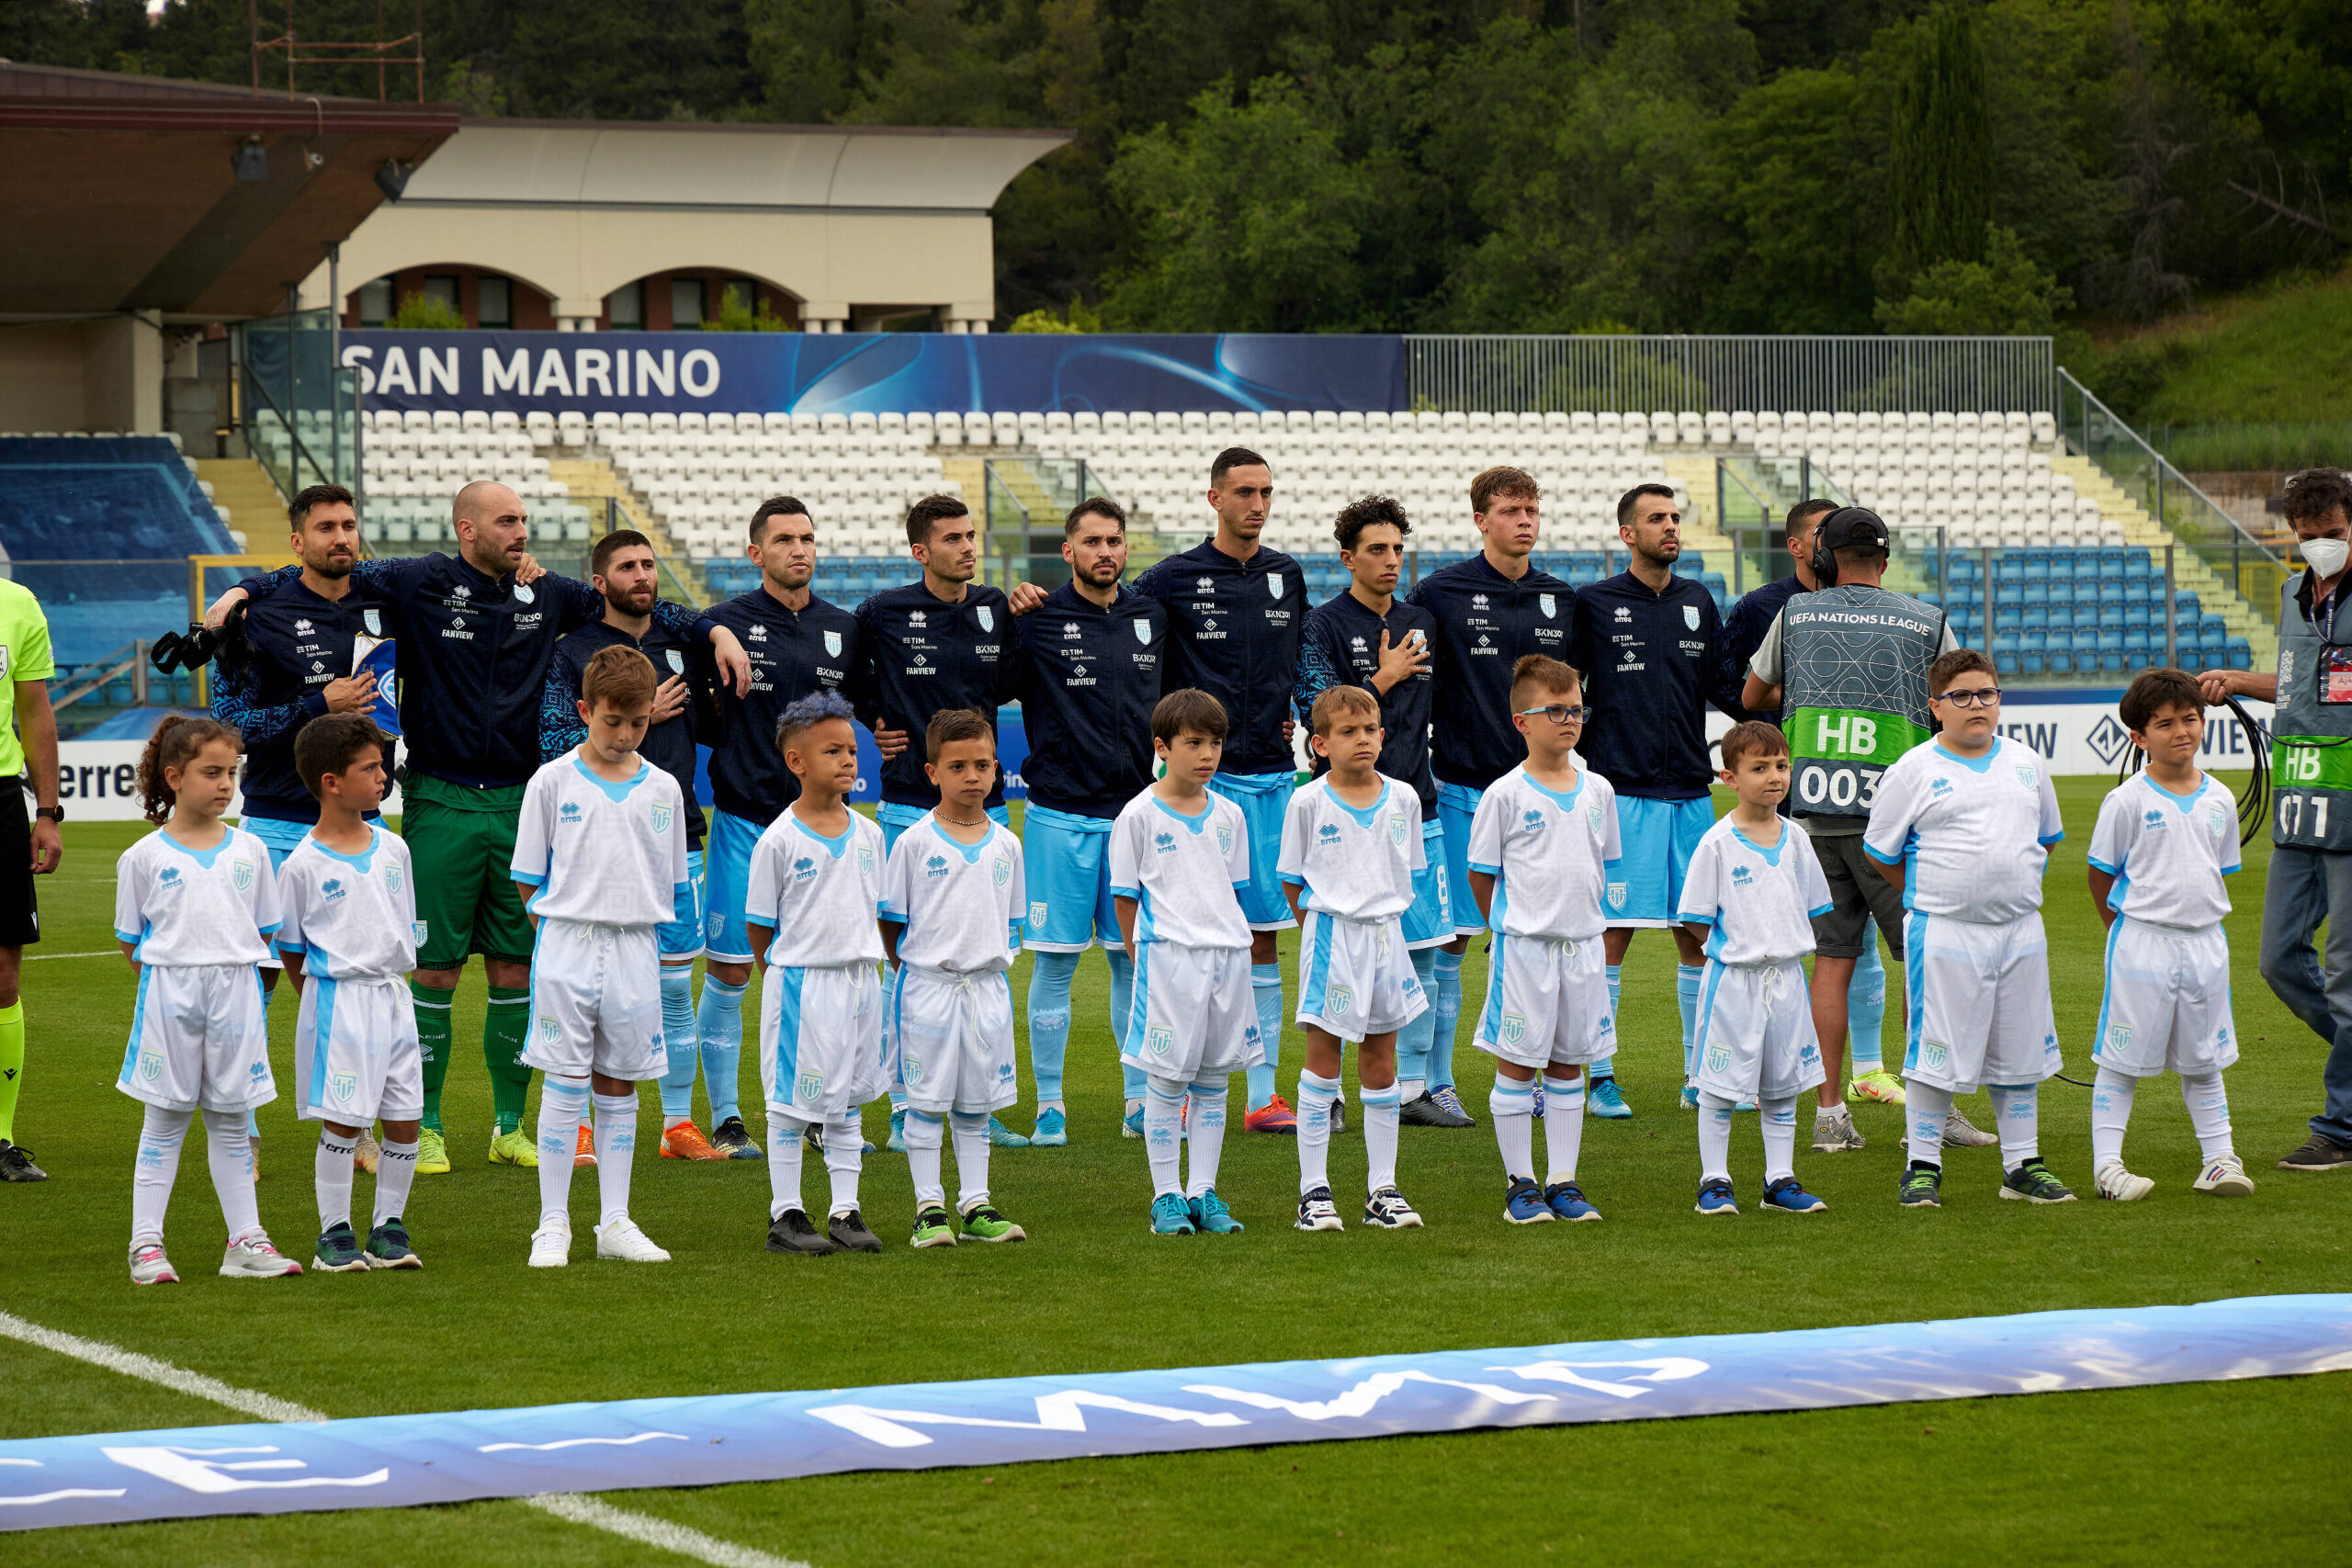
2325	556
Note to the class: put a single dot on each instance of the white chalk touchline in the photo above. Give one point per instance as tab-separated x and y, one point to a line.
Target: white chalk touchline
571	1507
109	953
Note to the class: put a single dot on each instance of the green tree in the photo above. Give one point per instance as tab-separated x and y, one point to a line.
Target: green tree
1939	165
420	312
2004	295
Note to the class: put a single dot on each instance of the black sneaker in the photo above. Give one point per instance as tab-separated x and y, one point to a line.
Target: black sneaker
2033	1182
17	1163
2319	1154
1421	1111
791	1231
1922	1187
850	1234
730	1139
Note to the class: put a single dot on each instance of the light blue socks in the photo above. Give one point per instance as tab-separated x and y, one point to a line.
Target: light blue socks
679	1038
1866	1010
1123	1001
1688	979
1606	1066
720	1022
1049	1021
1448	1009
1414	1040
1266	988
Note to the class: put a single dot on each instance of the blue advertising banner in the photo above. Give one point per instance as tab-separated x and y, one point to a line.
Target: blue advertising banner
405	1461
850	372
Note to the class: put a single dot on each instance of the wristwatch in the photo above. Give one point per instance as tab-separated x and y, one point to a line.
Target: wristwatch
54	813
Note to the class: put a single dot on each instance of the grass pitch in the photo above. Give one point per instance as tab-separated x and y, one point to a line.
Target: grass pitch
2197	1473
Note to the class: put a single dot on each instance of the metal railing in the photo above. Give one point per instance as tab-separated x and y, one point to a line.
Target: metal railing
286	381
1568	372
2249	568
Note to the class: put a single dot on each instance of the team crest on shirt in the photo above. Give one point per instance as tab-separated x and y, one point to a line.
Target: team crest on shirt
1514	1028
1396	827
522	594
810	1085
2118	1036
151	1065
712	923
1718	1056
1274	585
416	929
550	1028
1143	631
910	1069
373	621
662	815
1549	605
2025	776
677	661
1933	1054
865	859
1224	838
242	873
1341	999
343	1085
1691	617
2218	820
392	879
1592	815
1617	895
832	644
1160	1040
986	616
1038	914
1001	869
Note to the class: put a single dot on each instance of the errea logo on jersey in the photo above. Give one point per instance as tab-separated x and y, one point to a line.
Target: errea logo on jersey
1478	600
304	627
759	634
332	888
1164	843
1206	585
461	592
804	870
2155	819
570	812
935	866
1940	787
169	876
1070	629
1531	820
1623	614
915	619
1327	834
1741	876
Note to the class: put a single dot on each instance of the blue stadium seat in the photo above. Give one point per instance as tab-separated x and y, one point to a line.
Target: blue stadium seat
2034	649
2036	592
2137	615
2241	653
2036	618
2007	652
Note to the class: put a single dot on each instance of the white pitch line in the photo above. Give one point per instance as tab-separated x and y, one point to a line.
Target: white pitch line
109	953
571	1507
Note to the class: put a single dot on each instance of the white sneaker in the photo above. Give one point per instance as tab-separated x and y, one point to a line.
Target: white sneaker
2114	1181
255	1258
1959	1133
150	1266
2225	1178
368	1151
1834	1131
551	1242
622	1239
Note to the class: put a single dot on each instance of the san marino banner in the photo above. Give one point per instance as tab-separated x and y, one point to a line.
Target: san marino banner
852	372
404	1461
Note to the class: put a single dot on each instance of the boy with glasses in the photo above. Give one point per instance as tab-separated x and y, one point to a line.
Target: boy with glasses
1962	828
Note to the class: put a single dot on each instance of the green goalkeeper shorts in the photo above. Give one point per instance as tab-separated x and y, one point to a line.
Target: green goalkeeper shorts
461	842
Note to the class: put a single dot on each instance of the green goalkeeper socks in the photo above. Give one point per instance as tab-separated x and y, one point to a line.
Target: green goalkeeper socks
432	1004
505	1028
12	1067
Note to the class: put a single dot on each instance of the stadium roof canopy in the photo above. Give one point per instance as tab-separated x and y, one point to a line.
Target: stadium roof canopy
121	194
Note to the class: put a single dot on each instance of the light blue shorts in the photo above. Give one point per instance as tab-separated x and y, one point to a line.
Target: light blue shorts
1430	922
1659	838
1457	807
1068	861
1264	798
896	820
726	882
681	937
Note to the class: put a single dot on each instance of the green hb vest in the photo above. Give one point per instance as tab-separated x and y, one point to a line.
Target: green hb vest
2310	741
1854	661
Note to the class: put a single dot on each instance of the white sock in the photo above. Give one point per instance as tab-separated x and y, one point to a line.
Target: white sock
971	1159
161	1136
1512	1107
1209	1099
1315	1096
1780	1137
926	1134
395	1174
1380	1107
1563	1127
231	1155
1930	1107
1163	1103
564	1105
615	1152
1715	1137
2111	1094
1411	1088
331	1176
845	1157
784	1148
2208	1115
2016	1109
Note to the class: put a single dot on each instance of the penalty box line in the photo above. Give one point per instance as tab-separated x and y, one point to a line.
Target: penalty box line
571	1506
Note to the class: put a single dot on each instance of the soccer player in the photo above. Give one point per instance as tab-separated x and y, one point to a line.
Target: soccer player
942	642
1369	637
349	894
194	907
1491	611
1962	828
1352	843
2166	838
1744	631
1180	856
952	895
1750	898
1234	612
1541	852
798	644
816	892
1090	659
475	640
1649	645
29	847
624	569
600	852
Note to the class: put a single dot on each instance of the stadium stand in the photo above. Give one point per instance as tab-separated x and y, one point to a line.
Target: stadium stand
413	464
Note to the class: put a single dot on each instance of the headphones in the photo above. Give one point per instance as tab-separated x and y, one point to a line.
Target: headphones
1825	559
